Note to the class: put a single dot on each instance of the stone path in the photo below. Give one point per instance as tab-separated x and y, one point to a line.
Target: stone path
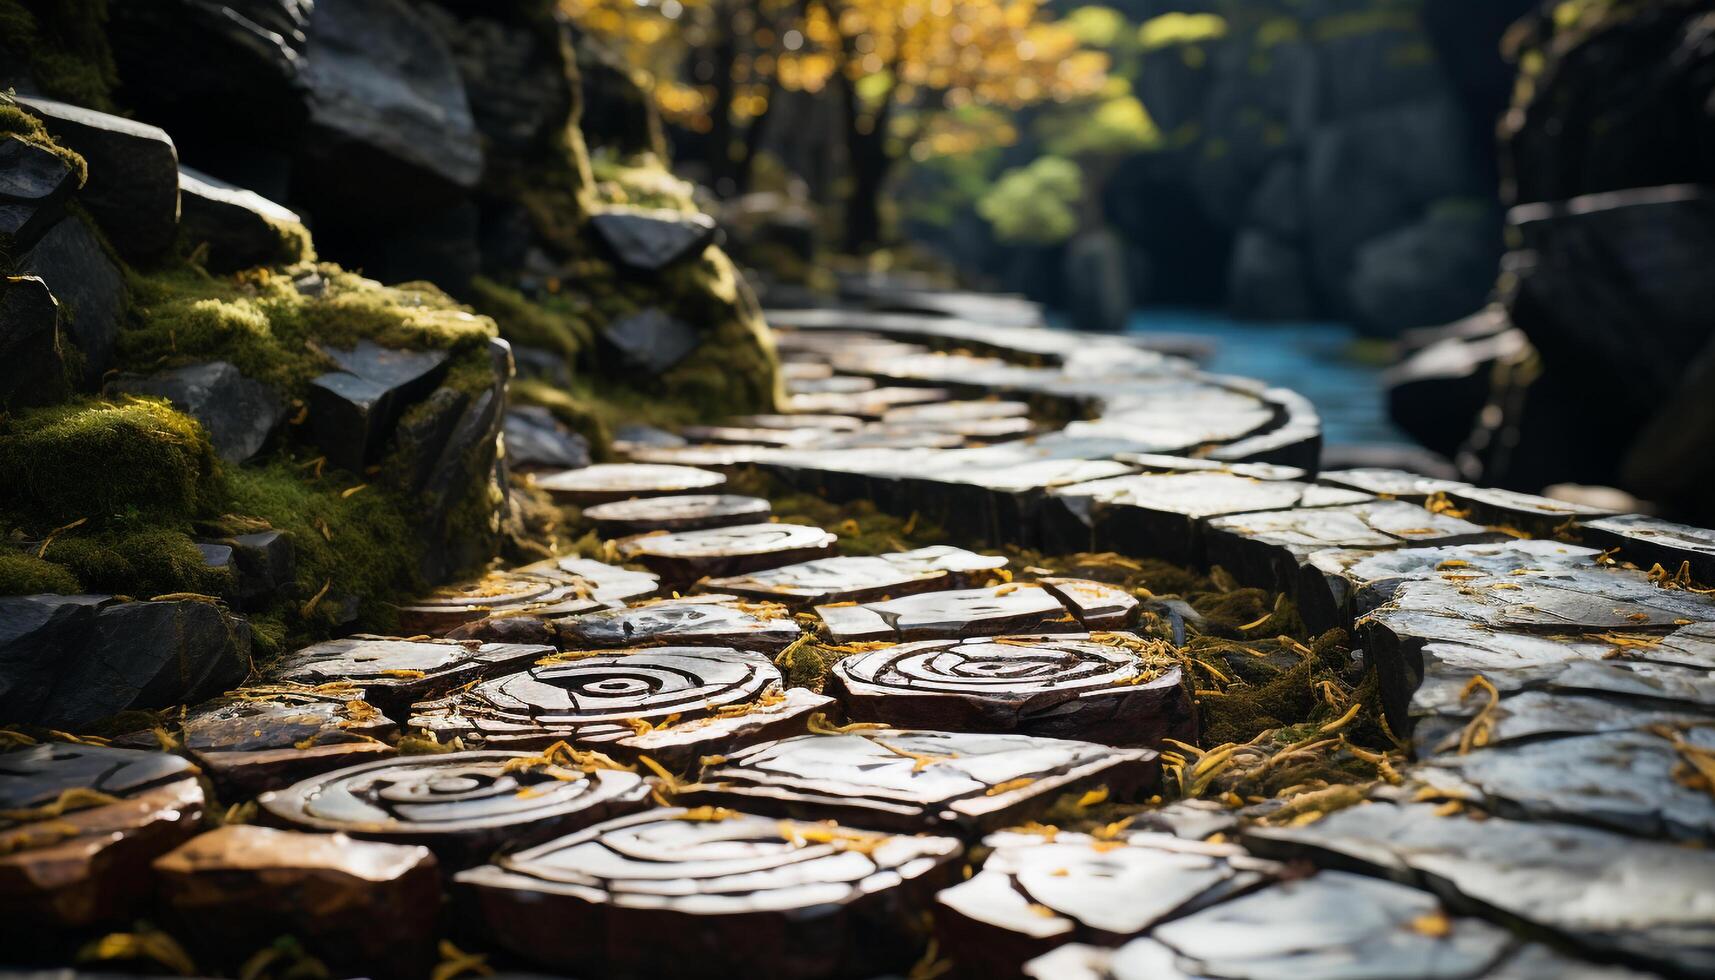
1004	769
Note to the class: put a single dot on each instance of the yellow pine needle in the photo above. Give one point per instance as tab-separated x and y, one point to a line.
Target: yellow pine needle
308	609
670	783
1254	624
784	657
820	725
707	814
350	492
456	963
1008	786
75	798
1093	797
152	945
1342	721
1480	727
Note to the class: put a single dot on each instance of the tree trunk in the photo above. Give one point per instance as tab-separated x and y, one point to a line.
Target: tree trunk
725	56
867	156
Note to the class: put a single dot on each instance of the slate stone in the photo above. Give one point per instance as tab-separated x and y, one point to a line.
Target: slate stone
1160	463
536	440
32	365
34	186
470	455
389	123
695	702
992	611
916	781
699	620
1337	586
1619	781
90	290
854	578
270	736
608	482
240	228
394	673
1397	484
650	241
1611	896
671	892
129	655
1647	541
1529	512
1327	925
133	186
353	410
461	805
1055	687
1267	549
239	413
264	562
866	404
842	384
683	557
360	905
93	869
1161	515
1037	892
1524	715
35	631
652	341
693	512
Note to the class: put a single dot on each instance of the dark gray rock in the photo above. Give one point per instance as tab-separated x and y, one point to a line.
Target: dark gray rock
390	127
239	413
537	364
89	286
34	185
241	228
1437	389
466	466
131	655
38	634
354	410
423	432
264	564
1647	541
1387	482
1616	897
32	365
133	187
1543	516
1269	279
535	439
650	241
1098	282
1428	273
1619	781
515	73
652	341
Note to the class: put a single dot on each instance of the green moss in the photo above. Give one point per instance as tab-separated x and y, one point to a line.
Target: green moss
16	122
552	324
65	42
642	181
582	416
104	462
22	573
147	562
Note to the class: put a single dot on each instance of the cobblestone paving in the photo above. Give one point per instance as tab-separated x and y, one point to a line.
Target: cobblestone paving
735	747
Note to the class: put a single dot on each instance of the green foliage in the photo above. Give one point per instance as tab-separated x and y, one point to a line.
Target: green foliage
105	462
552	324
1035	204
1115	124
145	561
1176	28
65	42
1097	27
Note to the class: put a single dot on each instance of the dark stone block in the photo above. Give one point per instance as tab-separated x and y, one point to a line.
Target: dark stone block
32	365
241	228
39	634
240	414
1647	541
264	563
34	185
133	187
89	286
354	410
652	341
535	439
650	241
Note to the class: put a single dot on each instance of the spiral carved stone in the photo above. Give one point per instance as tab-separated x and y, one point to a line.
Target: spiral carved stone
724	699
921	780
89	865
1050	686
714	894
556	587
1035	893
690	555
461	805
1051	606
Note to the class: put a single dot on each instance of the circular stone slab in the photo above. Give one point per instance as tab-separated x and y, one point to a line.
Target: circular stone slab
688	513
607	482
461	805
1052	687
711	893
690	555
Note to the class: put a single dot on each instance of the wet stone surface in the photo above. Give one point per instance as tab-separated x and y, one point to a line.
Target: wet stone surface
461	805
667	891
394	673
1013	608
268	737
1036	893
1647	541
861	578
920	780
674	704
688	513
608	482
685	556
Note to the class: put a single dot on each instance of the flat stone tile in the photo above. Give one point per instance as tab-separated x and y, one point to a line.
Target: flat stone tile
1015	608
394	673
607	482
1647	541
694	512
862	578
683	557
701	620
